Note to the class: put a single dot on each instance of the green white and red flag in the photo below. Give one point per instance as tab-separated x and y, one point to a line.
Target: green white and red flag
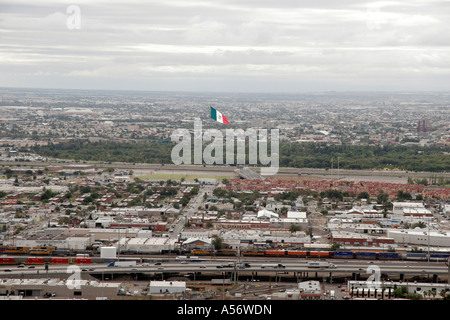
218	116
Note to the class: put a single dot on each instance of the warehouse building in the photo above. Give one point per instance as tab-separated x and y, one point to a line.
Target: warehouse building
406	211
146	245
40	288
419	236
198	244
161	287
385	289
360	239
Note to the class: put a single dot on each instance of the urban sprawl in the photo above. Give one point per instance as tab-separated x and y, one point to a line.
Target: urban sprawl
359	208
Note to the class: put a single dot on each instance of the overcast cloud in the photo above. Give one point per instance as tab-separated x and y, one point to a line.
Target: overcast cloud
226	45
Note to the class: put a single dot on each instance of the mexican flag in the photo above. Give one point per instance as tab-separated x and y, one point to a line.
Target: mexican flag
216	115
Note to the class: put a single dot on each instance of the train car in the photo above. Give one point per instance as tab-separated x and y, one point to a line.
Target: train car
439	256
416	256
7	260
366	255
20	259
35	260
59	260
297	253
226	252
61	253
319	254
275	253
85	253
41	251
343	255
16	250
82	260
203	252
253	253
388	255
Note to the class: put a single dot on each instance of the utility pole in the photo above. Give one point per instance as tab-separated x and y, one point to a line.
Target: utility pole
428	233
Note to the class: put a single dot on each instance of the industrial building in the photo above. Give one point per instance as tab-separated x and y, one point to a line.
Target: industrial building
360	239
307	290
385	289
161	287
57	288
419	236
409	210
146	245
197	244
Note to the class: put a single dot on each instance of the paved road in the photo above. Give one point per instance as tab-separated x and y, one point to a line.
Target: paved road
361	267
224	168
190	210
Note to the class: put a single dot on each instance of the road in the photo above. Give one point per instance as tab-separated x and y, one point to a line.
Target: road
190	210
217	266
368	175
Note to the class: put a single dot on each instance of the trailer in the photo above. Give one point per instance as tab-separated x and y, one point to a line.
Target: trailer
272	265
125	264
320	264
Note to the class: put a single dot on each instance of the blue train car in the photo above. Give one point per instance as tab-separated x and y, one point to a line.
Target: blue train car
343	254
366	255
439	256
388	255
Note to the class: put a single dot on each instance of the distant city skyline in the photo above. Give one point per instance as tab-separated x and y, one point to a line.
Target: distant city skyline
226	46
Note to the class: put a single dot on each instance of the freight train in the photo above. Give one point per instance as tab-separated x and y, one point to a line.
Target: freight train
23	260
350	254
16	255
36	251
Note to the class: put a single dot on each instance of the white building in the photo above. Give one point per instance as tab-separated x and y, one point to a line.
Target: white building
419	236
266	214
196	233
398	207
162	287
296	215
146	245
446	209
411	287
108	252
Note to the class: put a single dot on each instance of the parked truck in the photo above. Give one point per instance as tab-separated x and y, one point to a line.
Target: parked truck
320	264
272	265
122	264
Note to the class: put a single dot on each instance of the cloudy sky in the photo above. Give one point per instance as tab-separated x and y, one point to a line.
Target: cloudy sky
226	45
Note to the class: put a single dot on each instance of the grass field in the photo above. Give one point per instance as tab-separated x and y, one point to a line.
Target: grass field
179	176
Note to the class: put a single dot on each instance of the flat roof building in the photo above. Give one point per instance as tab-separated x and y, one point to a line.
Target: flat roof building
38	288
161	287
420	237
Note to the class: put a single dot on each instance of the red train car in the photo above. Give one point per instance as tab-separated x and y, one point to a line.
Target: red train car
60	261
275	253
253	253
319	254
6	260
296	253
83	260
35	260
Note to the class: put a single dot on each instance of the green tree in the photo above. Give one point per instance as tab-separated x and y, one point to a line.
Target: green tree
217	242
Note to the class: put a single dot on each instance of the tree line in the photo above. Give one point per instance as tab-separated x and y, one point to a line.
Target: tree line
292	154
